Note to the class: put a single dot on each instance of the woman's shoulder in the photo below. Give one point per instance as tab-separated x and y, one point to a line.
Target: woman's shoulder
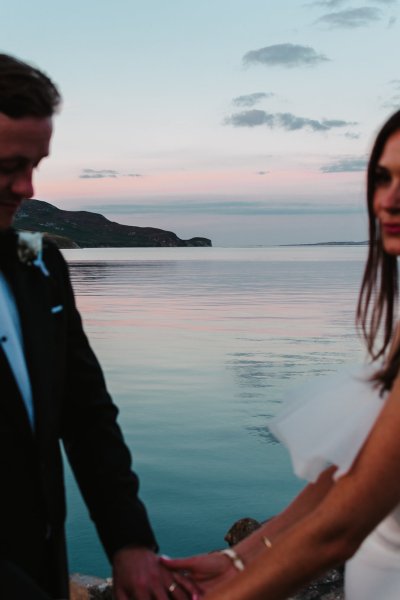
326	422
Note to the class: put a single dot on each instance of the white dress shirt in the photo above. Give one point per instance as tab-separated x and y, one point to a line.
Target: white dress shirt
12	343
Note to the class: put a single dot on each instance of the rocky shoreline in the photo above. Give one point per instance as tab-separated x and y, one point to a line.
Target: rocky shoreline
327	587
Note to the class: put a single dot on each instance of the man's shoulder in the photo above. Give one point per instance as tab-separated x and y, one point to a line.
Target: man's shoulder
49	245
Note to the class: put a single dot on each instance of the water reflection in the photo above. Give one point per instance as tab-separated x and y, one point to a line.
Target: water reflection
197	354
246	316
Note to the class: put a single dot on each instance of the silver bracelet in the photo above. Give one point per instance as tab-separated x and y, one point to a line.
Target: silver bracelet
266	541
234	557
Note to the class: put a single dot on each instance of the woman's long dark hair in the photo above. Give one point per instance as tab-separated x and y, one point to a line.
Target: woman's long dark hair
377	301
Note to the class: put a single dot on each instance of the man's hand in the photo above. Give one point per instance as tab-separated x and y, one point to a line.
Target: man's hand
139	575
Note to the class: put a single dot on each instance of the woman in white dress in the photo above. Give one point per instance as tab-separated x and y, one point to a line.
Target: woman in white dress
345	439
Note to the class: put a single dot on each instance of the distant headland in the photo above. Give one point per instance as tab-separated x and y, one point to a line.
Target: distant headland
84	229
326	244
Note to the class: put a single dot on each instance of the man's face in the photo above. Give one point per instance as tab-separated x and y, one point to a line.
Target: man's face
23	144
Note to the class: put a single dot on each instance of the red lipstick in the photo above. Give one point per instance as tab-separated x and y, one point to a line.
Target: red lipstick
391	229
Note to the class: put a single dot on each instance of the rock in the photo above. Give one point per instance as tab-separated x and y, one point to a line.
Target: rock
240	530
86	587
327	587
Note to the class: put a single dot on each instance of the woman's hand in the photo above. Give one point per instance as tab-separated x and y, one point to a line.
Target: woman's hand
138	573
207	570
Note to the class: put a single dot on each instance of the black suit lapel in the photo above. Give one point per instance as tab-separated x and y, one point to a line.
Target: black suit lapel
11	401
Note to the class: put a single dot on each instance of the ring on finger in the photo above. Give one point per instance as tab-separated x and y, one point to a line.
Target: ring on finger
172	587
185	573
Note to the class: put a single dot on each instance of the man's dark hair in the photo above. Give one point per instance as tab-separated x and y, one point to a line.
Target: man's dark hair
25	91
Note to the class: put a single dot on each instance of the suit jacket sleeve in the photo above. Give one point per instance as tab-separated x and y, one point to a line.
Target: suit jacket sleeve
15	584
92	438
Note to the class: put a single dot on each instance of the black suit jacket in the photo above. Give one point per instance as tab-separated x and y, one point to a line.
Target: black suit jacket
71	405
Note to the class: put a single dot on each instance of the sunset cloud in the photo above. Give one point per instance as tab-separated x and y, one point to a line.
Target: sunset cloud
251	99
250	118
351	18
350	135
98	173
349	164
104	174
328	3
286	121
336	3
286	55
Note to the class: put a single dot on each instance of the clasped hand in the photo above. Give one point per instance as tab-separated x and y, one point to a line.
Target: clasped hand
206	571
139	574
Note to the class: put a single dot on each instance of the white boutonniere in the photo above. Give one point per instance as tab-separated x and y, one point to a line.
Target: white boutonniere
30	250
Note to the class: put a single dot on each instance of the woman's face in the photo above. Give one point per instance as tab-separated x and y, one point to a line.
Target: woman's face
387	194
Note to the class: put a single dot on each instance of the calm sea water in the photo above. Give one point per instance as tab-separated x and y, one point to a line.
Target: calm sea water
199	346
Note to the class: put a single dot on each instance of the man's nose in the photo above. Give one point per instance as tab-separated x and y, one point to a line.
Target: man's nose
22	184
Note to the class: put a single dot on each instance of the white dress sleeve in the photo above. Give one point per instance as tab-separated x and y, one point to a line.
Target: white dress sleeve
326	422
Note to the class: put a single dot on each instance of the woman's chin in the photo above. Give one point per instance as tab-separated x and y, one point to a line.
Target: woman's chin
392	246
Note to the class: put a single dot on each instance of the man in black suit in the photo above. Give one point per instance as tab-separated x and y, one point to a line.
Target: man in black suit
52	389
